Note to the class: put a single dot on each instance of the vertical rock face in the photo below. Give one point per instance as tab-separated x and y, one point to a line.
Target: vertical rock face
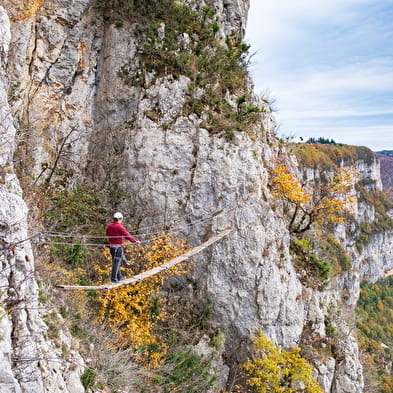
53	81
29	363
74	110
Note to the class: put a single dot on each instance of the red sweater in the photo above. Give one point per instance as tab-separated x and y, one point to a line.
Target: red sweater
118	232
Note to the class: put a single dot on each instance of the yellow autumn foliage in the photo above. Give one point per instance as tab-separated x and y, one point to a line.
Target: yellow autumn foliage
274	370
326	203
287	186
133	310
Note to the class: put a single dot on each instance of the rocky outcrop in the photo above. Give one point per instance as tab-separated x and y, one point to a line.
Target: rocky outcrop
385	158
29	361
76	111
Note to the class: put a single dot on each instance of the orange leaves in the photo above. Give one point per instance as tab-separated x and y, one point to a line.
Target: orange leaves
326	203
288	187
335	197
133	310
273	370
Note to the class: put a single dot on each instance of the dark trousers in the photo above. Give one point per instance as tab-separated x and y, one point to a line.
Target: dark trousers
118	257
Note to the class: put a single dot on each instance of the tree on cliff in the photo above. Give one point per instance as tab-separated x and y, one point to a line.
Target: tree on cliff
325	203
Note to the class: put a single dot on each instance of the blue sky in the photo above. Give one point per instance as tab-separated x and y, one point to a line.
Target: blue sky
328	64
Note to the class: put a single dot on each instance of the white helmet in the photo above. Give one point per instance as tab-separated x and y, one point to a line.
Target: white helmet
118	215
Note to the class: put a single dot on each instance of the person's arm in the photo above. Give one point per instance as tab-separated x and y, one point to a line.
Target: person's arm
128	236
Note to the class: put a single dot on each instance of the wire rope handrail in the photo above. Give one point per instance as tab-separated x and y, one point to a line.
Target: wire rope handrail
9	245
153	271
101	236
84	243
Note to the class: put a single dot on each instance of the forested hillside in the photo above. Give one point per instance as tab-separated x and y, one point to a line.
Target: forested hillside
375	324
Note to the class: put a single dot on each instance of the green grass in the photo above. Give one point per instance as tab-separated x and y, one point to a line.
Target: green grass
185	372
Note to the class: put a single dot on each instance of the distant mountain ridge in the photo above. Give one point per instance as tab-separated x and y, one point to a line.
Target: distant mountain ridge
385	153
386	160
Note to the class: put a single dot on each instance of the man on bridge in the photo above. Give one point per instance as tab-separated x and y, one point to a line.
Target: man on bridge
116	234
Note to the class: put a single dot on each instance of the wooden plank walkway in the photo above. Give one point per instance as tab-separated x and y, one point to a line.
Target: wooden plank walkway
155	270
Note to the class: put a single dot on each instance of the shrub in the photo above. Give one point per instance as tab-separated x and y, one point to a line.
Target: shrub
274	370
186	372
88	378
322	266
313	269
133	311
77	208
329	328
215	68
75	255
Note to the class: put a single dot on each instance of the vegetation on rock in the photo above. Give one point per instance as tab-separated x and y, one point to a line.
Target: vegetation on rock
273	370
320	204
383	221
186	372
184	39
133	311
313	209
330	156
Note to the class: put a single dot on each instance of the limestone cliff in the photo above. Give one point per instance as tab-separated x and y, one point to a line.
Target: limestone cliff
29	362
94	105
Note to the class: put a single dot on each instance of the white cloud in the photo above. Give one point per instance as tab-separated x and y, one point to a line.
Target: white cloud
336	114
333	96
354	77
328	64
274	20
331	85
